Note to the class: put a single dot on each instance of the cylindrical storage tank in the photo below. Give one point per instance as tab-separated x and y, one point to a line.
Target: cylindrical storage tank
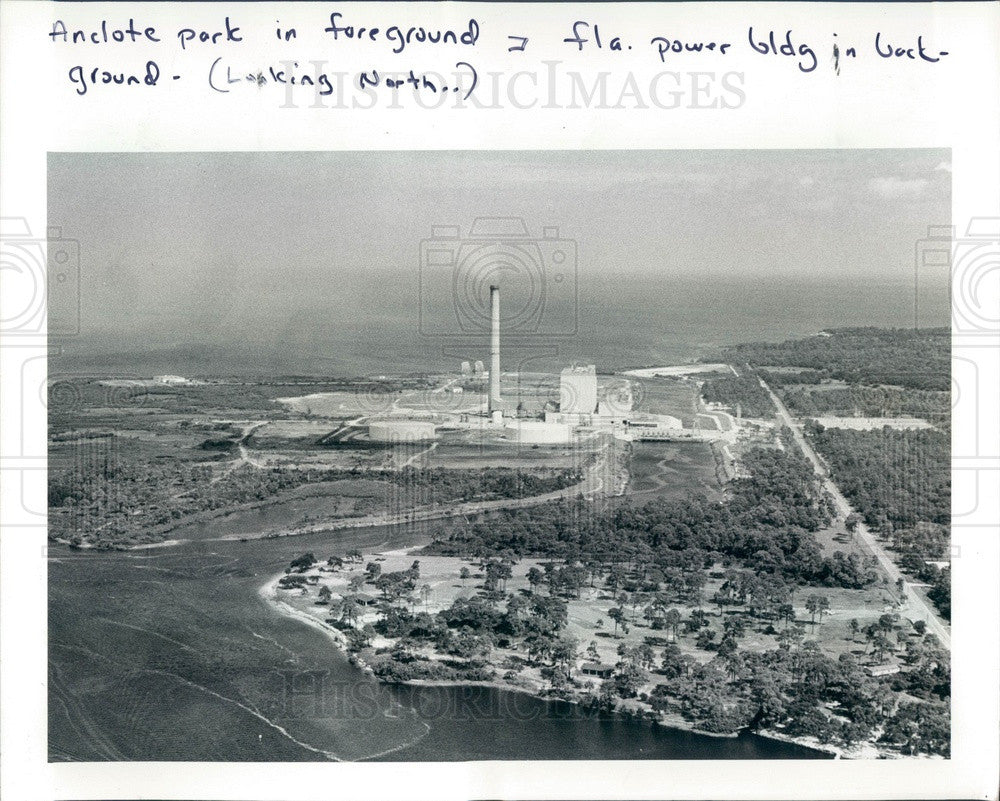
401	430
538	432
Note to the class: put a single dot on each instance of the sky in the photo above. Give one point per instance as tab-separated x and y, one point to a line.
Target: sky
217	243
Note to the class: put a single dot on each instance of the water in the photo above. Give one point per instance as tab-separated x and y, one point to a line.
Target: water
617	321
178	658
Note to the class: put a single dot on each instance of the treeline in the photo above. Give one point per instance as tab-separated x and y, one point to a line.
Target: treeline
448	484
932	406
765	524
779	379
743	389
896	479
916	359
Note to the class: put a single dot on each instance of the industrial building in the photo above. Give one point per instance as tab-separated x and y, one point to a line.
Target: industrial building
401	431
578	390
538	432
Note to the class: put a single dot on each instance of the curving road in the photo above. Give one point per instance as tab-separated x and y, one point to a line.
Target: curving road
919	608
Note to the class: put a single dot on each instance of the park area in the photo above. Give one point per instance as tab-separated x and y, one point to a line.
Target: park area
601	621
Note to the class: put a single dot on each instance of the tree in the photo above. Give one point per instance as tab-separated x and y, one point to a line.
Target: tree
673	662
535	578
855	628
791	637
628	678
564	652
325	594
592	653
538	645
349	609
672	620
646	656
734	627
425	593
616	614
464	574
304	562
727	646
817	604
823	607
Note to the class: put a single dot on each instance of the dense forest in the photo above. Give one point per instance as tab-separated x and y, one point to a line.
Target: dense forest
901	482
765	525
935	407
894	478
744	390
906	357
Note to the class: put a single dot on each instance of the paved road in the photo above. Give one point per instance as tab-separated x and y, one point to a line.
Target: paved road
919	609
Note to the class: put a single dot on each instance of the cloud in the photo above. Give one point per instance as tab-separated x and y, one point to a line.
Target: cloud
944	166
894	187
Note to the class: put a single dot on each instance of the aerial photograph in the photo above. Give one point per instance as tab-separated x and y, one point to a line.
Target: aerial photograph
500	455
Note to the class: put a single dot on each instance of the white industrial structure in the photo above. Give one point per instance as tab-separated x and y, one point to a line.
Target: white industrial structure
538	432
494	398
578	390
401	431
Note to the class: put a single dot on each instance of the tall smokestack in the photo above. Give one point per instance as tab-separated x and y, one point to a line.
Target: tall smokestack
494	403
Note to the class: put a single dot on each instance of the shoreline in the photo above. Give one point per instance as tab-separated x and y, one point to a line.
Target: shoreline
268	593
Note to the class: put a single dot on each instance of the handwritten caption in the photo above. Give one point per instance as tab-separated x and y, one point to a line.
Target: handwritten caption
386	45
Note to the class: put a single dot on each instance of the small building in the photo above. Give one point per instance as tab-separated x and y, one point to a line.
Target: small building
881	670
597	669
365	599
170	379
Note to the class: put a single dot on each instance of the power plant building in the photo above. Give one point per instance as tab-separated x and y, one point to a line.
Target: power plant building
578	390
538	432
